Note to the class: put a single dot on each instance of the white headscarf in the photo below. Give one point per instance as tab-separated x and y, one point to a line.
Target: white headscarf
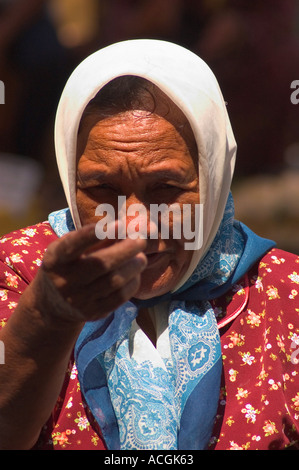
190	84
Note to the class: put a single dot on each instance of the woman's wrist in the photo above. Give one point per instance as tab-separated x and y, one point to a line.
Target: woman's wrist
46	306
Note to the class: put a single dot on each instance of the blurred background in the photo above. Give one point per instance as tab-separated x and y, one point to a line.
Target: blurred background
252	47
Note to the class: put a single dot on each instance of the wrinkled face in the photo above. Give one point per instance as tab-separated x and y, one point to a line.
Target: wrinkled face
145	158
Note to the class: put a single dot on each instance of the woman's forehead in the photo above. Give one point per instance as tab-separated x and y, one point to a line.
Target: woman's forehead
149	137
154	109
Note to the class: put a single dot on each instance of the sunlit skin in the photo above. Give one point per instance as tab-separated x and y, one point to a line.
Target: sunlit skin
145	158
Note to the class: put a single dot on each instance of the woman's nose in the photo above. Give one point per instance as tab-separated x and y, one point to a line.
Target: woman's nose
138	220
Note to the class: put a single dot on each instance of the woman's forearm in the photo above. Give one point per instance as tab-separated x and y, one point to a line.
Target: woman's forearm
36	360
75	284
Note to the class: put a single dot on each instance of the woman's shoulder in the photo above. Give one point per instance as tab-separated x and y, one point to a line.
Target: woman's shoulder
279	267
275	287
22	250
38	234
272	283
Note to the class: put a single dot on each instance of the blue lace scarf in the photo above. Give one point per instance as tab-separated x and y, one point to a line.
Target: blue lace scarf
164	402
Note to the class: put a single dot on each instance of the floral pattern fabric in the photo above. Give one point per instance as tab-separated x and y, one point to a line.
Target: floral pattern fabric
259	401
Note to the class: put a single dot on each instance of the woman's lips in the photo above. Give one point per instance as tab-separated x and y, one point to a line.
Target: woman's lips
154	258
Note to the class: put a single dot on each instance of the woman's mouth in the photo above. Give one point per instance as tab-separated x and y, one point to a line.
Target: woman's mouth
154	258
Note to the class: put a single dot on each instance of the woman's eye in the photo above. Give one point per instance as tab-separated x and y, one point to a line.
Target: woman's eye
102	186
168	186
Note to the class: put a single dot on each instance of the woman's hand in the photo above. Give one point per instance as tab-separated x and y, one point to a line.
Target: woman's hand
81	279
84	279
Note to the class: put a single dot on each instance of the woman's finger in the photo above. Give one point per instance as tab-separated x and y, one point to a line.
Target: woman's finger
99	286
70	247
97	310
84	243
108	259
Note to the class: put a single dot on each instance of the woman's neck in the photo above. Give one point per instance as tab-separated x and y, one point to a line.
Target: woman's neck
145	322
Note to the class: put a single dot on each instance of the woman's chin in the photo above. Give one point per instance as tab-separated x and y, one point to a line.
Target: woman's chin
161	276
152	286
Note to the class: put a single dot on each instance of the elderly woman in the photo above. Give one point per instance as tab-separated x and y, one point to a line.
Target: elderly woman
142	341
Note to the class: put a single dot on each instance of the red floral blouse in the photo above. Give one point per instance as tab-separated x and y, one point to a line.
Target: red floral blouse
259	326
